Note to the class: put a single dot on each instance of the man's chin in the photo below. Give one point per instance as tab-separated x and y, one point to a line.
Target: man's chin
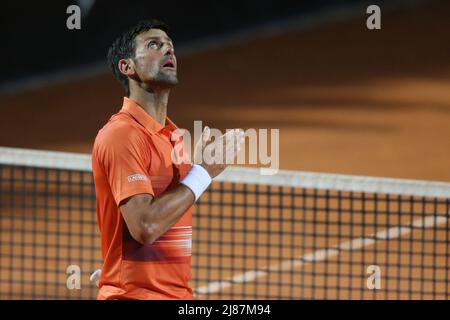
167	80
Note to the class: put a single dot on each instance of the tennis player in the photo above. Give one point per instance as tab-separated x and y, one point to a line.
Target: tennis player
144	198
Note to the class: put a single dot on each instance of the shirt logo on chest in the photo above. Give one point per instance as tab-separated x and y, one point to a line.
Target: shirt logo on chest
137	177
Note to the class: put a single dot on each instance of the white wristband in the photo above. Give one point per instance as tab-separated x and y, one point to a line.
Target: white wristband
198	179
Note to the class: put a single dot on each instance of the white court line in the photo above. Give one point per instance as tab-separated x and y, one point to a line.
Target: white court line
320	255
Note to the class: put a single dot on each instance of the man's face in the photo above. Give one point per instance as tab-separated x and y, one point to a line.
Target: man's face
155	60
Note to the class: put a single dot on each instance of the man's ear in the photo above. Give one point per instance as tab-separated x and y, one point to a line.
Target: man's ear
126	67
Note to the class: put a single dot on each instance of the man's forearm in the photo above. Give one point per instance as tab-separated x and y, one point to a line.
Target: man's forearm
164	211
149	217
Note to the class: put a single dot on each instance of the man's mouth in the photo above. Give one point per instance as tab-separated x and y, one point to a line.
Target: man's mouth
169	64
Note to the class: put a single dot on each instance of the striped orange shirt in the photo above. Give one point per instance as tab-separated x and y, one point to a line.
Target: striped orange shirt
132	155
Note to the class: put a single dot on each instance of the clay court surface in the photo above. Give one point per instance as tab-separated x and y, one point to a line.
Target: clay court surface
346	100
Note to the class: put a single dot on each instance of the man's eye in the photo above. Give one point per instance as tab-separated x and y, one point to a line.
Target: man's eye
153	45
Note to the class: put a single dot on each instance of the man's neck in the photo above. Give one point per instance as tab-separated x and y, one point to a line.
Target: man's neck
154	102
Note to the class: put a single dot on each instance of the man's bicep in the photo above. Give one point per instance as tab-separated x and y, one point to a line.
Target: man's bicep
133	210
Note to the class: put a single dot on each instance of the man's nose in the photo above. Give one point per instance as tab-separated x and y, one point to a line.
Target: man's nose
169	50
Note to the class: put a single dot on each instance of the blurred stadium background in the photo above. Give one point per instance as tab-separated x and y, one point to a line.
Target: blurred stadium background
346	100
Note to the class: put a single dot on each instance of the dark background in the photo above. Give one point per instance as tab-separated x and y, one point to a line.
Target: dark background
36	40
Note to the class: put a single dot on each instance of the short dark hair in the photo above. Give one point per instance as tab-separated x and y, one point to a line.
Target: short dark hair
124	47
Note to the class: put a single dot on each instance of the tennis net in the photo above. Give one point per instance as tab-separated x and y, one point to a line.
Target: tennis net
294	235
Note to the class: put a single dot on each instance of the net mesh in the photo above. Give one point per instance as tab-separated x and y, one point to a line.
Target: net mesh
266	242
48	223
251	240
